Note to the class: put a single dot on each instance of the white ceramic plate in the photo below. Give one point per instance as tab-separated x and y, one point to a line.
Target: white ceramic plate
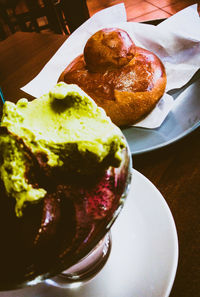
144	253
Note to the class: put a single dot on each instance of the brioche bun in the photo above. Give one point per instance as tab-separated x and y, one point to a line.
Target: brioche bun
125	80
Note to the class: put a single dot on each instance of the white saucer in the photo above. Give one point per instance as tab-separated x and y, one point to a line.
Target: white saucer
144	255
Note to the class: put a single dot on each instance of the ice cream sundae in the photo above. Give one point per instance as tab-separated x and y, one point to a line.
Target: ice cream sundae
64	167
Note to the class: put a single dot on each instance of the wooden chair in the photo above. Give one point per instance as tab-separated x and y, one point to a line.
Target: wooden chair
75	12
30	20
7	8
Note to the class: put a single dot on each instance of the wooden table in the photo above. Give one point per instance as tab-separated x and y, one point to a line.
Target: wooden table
174	170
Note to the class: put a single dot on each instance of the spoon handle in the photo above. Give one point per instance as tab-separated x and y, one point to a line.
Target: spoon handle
2	101
1	95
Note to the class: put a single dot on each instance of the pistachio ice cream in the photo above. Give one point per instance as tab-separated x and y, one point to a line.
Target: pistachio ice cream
62	174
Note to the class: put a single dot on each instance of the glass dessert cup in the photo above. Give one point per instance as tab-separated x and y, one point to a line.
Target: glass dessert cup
89	265
93	250
87	268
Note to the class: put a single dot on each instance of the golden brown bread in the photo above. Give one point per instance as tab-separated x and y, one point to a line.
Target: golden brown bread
108	49
127	81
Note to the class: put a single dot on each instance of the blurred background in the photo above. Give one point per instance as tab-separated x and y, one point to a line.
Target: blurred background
64	16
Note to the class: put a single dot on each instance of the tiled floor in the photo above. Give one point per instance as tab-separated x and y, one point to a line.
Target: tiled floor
143	10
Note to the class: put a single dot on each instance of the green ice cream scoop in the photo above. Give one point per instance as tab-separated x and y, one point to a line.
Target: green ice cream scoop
66	128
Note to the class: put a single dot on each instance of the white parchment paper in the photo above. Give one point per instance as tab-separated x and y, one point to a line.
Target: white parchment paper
176	41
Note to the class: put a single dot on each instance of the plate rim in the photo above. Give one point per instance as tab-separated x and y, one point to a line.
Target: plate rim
173	229
166	143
